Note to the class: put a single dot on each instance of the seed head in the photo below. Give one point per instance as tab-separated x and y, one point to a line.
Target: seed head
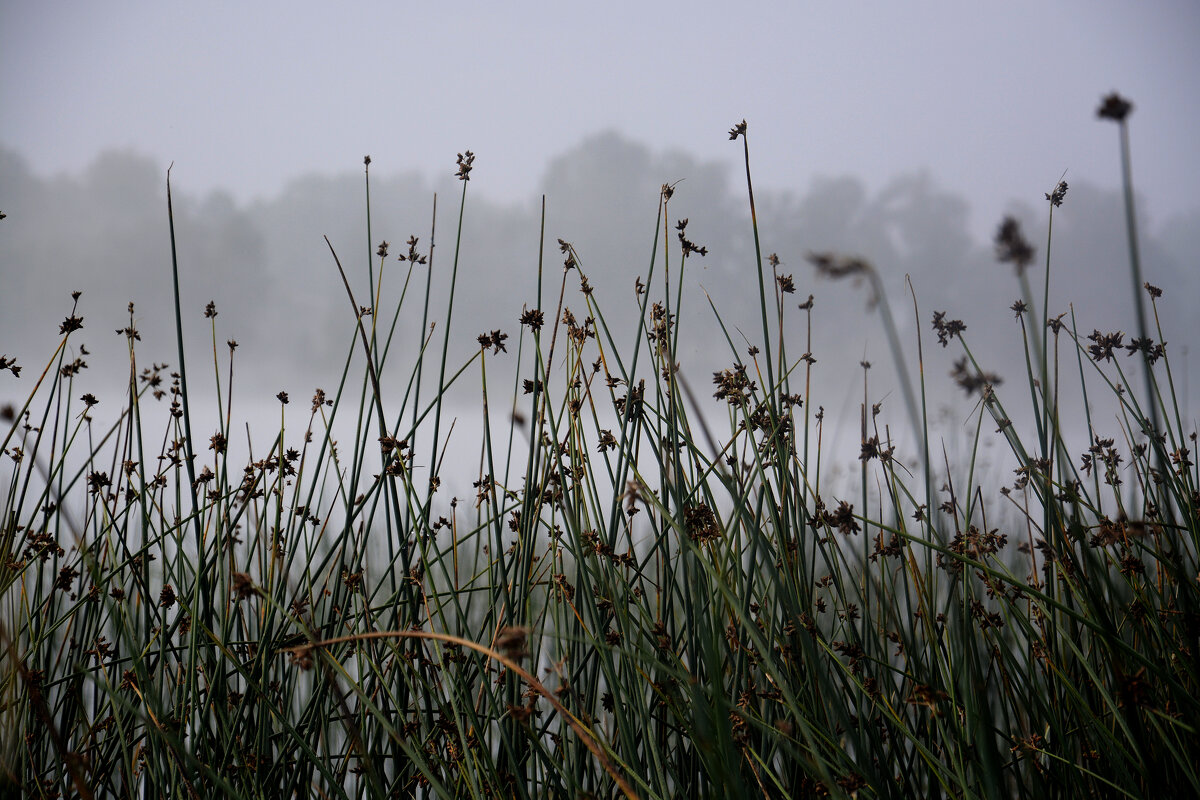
837	266
242	586
413	256
465	162
568	249
833	265
972	380
1012	246
513	642
701	523
533	318
1060	192
495	340
1104	345
1114	107
687	245
946	329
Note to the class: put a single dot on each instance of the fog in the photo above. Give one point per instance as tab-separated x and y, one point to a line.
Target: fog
266	267
901	134
994	101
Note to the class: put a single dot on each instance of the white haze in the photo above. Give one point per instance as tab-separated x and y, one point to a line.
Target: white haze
275	286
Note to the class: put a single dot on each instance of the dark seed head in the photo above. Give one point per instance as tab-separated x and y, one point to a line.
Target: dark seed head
1114	107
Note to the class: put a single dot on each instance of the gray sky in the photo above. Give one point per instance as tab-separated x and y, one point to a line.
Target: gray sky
994	101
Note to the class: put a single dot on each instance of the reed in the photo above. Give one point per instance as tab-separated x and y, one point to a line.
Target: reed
651	594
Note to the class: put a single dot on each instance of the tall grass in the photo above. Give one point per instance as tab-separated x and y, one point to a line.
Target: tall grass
639	600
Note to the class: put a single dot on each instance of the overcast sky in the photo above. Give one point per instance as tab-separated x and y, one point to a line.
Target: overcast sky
995	100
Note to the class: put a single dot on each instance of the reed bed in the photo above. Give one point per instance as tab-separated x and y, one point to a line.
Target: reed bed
652	592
